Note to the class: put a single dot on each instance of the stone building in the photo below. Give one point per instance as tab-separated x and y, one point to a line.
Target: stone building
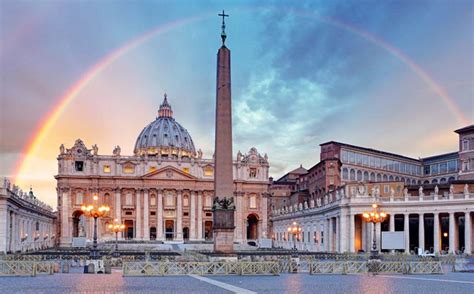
26	223
164	191
430	199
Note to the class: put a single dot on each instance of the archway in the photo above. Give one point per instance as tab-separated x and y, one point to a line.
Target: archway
129	229
185	233
252	227
152	233
169	229
78	225
208	230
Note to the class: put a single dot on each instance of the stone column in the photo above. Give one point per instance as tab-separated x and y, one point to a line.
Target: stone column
378	234
146	215
392	223
118	205
192	234
3	229
65	234
467	233
138	216
406	229
179	216
239	216
199	215
351	233
436	232
329	235
421	232
338	231
452	234
159	216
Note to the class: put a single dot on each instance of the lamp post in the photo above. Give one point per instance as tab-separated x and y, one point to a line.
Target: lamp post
95	211
375	216
294	229
116	228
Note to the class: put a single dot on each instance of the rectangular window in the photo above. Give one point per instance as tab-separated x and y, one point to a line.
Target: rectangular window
434	169
402	167
128	169
396	166
443	167
253	201
315	238
365	160
79	199
372	161
427	170
128	199
106	168
152	212
344	156
452	166
351	157
79	165
377	162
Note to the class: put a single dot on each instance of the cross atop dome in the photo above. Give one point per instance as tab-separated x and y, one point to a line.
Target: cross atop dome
165	108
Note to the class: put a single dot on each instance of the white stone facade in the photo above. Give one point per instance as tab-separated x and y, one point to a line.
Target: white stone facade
334	223
157	197
26	224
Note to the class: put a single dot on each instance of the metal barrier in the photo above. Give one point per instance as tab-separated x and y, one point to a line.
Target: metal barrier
199	268
338	267
25	268
375	266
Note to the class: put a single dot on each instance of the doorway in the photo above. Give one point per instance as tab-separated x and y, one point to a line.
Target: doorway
252	227
169	229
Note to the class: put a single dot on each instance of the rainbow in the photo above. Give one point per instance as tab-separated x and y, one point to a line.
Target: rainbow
51	118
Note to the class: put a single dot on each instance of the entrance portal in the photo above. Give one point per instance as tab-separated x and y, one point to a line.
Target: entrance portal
169	229
208	230
129	230
252	227
185	233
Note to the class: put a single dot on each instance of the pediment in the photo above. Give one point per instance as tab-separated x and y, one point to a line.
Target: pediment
169	173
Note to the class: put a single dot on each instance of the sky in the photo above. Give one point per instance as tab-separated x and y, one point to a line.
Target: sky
390	75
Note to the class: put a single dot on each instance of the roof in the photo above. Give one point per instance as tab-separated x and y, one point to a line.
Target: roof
370	150
465	129
441	156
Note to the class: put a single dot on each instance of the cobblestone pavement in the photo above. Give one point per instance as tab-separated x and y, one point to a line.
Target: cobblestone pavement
285	283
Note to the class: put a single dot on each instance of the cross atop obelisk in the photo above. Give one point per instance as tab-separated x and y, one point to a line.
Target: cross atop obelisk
223	35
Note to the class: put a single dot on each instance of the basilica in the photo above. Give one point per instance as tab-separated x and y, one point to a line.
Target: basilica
163	192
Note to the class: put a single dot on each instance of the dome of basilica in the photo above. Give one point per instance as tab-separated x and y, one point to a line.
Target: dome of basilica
165	136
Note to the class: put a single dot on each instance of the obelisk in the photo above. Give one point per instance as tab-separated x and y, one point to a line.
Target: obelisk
223	208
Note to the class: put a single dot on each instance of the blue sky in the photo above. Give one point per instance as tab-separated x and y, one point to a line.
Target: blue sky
301	75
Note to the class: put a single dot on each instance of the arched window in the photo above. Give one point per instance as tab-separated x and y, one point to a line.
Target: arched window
397	179
442	180
385	178
451	179
359	175
79	198
185	200
379	177
106	198
366	176
372	176
434	181
352	175
390	178
345	174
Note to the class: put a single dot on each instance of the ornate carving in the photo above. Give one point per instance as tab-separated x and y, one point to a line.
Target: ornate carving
223	204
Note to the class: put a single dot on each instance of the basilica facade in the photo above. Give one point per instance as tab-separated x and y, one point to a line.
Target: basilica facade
163	192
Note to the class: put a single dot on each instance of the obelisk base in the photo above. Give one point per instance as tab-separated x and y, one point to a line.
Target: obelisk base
223	230
224	241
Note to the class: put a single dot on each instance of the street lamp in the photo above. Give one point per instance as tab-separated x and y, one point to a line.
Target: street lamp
294	229
116	227
374	217
95	211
